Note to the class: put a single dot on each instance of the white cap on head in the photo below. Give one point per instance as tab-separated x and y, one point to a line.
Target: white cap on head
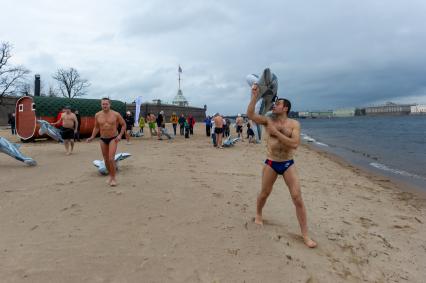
161	112
239	115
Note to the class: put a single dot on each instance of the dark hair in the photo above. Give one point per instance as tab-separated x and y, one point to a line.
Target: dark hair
105	98
287	104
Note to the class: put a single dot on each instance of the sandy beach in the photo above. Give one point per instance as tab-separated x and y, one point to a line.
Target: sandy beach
183	213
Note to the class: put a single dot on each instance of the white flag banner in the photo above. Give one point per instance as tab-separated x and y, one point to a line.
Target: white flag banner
138	110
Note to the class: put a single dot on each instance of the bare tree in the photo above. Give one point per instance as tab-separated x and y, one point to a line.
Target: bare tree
52	92
70	83
24	88
11	77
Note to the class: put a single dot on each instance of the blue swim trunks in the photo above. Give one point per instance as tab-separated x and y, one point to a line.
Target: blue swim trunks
279	167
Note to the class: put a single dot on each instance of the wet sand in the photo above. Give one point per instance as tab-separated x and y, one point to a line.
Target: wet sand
183	213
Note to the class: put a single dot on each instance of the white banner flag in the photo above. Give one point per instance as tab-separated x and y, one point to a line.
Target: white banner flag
138	110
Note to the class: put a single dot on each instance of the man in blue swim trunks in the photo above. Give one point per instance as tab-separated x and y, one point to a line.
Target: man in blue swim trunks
283	138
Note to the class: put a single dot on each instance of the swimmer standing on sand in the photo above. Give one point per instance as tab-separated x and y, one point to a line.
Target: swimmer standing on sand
283	138
106	122
68	128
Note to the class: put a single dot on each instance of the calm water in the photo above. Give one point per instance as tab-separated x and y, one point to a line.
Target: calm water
393	146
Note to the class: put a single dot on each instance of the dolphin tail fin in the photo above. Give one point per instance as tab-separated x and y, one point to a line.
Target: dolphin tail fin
30	162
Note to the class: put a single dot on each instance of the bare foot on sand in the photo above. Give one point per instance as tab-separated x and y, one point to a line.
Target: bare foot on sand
258	220
67	153
309	242
113	183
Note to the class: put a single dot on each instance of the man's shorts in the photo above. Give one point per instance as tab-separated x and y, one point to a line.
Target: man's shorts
67	133
218	130
239	129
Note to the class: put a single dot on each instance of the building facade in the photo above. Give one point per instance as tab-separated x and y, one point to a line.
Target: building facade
7	107
198	113
389	109
418	109
344	112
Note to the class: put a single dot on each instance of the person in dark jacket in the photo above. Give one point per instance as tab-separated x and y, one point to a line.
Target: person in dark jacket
181	122
12	123
226	128
161	124
129	125
208	122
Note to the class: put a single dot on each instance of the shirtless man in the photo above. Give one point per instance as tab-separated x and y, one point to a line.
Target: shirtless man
283	138
239	122
218	130
106	122
68	129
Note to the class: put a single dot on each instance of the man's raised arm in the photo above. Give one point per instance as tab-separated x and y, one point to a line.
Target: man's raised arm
258	119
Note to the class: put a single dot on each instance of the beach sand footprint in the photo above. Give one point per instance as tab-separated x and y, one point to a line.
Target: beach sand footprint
367	223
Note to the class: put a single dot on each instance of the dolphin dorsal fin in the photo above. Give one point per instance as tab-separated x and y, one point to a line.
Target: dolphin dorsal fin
17	145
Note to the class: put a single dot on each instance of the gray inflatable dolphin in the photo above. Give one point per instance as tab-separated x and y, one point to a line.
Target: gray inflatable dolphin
268	88
12	149
100	164
165	132
46	128
229	141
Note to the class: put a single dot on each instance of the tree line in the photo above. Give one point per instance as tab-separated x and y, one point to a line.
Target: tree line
14	79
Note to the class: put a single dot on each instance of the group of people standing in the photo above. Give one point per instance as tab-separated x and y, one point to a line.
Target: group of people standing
157	124
218	127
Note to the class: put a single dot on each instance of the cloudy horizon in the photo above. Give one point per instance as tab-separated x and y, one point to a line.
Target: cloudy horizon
327	54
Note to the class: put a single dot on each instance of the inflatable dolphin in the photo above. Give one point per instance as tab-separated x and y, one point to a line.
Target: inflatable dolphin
229	141
166	133
268	88
12	149
100	164
46	128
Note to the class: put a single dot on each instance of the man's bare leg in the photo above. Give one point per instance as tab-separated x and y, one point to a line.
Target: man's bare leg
105	150
67	145
219	140
72	146
269	176
292	180
111	156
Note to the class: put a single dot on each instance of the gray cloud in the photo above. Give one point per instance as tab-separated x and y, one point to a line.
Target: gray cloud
327	54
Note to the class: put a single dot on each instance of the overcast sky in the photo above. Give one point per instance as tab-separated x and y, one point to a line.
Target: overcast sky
327	54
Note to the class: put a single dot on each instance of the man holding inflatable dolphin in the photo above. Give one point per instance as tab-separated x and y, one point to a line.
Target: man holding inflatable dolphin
106	123
283	138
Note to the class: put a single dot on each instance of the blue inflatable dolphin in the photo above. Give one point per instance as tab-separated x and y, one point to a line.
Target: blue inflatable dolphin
46	128
268	88
100	164
12	149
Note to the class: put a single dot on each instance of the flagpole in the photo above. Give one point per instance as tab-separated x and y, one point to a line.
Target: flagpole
179	71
